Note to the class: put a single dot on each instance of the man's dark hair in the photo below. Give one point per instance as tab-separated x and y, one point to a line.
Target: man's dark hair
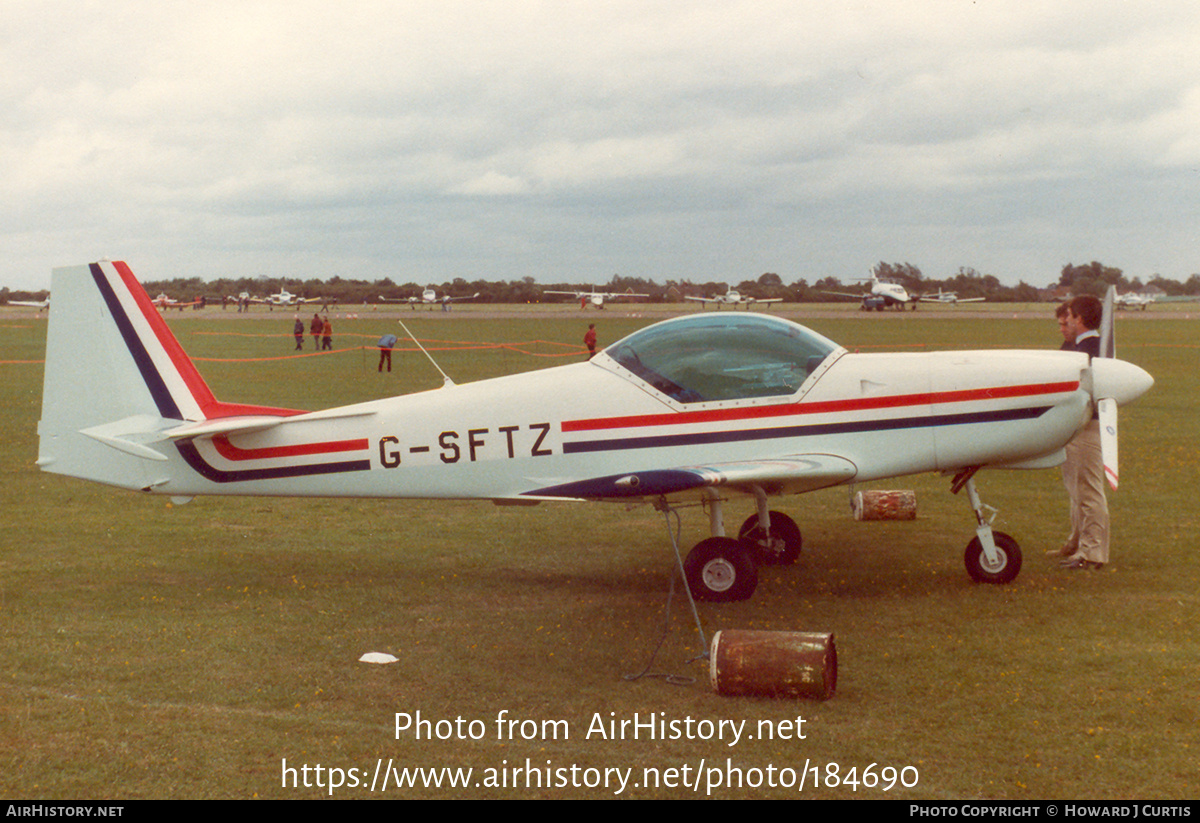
1062	309
1088	309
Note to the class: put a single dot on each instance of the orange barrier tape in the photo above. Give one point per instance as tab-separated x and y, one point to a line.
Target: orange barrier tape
464	344
578	351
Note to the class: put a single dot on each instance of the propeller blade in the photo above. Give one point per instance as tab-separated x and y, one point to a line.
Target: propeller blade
1108	332
1107	409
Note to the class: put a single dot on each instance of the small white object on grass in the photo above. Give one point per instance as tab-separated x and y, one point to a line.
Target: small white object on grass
377	657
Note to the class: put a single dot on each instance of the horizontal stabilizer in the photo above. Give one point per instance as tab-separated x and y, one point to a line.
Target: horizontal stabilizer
226	426
256	423
131	436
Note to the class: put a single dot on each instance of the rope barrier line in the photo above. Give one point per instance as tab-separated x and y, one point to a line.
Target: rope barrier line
367	349
448	345
514	347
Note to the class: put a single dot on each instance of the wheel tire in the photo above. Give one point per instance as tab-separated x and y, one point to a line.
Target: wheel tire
1005	571
721	570
780	548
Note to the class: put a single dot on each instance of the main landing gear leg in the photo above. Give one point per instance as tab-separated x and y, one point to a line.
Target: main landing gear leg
716	513
774	537
992	556
720	569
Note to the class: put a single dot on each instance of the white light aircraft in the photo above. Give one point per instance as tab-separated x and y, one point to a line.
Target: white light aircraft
732	297
428	297
163	301
881	296
285	298
40	305
1134	301
949	297
596	298
698	408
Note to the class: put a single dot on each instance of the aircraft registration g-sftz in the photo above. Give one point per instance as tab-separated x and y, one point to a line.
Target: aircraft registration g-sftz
699	407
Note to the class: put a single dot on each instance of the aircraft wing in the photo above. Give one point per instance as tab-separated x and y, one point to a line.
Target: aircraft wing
703	299
949	298
782	475
858	296
765	300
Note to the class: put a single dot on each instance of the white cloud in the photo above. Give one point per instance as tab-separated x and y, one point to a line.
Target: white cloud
616	134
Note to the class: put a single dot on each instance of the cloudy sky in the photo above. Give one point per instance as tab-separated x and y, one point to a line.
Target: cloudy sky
425	140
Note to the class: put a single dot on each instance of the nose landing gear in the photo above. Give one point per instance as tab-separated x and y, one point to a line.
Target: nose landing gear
991	556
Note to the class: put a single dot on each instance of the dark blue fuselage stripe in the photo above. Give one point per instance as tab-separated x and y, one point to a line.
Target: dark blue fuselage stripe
202	467
665	440
154	383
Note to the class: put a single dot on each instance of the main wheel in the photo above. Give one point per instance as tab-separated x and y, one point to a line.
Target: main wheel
1007	565
780	547
721	570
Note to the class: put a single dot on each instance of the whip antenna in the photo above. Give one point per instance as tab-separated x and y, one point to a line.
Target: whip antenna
413	337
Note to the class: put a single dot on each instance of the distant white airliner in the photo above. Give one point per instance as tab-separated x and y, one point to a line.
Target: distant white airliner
881	296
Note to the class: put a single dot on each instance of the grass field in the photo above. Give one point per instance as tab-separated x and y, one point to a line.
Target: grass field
153	650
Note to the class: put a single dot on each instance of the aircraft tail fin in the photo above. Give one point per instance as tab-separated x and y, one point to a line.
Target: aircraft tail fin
116	380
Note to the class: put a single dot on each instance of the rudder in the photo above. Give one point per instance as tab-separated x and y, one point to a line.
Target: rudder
115	378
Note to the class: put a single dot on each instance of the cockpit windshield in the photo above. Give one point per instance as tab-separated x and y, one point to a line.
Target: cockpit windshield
722	356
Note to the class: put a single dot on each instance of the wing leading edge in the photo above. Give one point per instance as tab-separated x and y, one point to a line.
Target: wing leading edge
783	475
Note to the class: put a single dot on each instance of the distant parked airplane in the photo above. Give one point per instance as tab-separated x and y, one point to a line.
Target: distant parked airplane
428	297
949	297
1134	301
881	296
732	297
597	298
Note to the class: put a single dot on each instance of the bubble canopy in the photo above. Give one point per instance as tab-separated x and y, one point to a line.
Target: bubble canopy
717	357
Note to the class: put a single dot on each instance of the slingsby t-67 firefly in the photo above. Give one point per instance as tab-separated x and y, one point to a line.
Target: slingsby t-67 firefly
697	408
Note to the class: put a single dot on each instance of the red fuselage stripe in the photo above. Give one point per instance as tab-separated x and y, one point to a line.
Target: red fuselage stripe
824	407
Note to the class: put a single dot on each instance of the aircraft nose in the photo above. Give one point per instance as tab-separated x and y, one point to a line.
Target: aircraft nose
1122	381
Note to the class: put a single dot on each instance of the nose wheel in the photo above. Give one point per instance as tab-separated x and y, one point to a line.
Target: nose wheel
1002	567
991	556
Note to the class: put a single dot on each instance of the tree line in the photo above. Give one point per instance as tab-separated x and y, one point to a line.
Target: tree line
1089	278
